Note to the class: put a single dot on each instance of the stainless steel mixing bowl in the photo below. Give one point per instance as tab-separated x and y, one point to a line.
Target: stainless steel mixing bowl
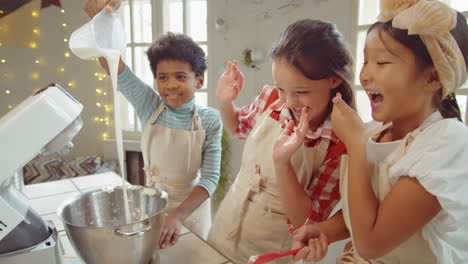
96	224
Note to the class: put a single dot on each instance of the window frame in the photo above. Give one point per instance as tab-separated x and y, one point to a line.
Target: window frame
363	28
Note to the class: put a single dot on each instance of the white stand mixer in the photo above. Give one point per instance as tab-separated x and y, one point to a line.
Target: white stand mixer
44	123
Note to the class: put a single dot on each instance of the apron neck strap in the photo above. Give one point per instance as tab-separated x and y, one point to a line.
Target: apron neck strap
409	138
196	121
431	119
156	113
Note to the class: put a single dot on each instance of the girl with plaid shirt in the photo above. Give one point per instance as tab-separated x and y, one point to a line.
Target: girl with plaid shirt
311	64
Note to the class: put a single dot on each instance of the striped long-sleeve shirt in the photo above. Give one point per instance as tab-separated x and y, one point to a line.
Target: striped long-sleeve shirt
145	100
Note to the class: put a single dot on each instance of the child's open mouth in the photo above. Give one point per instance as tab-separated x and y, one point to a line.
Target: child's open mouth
375	98
297	112
172	95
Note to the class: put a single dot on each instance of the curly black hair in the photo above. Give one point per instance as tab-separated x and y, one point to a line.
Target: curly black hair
178	47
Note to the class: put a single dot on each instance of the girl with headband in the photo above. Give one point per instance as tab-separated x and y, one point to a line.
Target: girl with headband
404	188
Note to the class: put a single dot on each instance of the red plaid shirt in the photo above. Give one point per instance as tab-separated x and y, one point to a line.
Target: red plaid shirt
324	189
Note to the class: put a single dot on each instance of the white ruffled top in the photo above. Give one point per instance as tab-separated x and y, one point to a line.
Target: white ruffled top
438	158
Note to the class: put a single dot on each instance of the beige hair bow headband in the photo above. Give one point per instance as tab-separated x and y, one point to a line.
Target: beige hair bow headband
432	20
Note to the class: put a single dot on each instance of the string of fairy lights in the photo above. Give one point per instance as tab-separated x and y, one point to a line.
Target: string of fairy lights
106	108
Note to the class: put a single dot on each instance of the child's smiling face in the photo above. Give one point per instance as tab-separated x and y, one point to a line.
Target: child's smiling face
298	91
395	83
177	81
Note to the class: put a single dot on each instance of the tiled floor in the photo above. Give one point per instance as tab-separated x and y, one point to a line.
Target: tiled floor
45	198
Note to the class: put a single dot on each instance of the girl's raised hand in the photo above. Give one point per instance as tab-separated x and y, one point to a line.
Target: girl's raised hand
229	84
346	123
290	140
313	241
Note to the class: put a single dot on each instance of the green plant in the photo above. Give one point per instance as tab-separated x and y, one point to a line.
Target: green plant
224	178
247	60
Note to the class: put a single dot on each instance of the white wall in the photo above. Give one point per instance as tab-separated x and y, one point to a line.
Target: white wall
20	64
246	28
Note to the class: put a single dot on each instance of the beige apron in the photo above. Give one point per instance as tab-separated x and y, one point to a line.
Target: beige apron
251	220
413	250
172	158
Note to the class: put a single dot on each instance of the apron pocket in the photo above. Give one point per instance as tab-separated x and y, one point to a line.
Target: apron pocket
262	230
275	213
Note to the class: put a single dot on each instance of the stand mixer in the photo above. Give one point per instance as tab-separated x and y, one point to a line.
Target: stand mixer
44	123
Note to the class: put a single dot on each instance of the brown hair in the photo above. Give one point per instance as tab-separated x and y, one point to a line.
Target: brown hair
448	107
319	51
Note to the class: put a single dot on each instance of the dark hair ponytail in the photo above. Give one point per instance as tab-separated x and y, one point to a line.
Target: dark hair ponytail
449	107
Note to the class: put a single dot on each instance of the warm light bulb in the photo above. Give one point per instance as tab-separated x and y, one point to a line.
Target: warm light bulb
1	44
3	61
71	84
104	136
62	11
35	14
37	61
96	74
62	69
7	92
10	107
33	45
67	54
36	31
1	11
64	24
98	104
98	91
100	79
104	93
102	120
34	75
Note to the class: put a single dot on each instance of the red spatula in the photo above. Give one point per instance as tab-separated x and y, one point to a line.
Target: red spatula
271	256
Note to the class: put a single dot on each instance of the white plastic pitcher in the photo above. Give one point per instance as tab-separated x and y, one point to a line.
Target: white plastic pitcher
103	34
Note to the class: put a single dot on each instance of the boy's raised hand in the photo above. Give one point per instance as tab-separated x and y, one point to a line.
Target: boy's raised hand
92	7
313	241
229	84
289	140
